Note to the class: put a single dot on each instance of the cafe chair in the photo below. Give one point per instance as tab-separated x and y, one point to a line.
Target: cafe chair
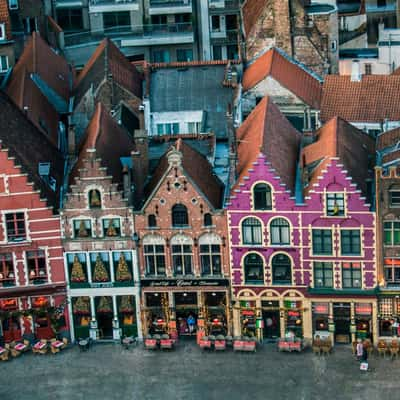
65	343
382	348
5	355
394	349
54	350
27	343
326	347
14	352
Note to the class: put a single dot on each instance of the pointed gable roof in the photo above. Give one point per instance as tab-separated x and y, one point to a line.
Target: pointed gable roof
109	140
108	60
372	99
339	139
266	130
289	73
197	168
30	147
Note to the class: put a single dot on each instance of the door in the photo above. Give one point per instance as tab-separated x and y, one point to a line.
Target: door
11	329
341	317
104	323
272	328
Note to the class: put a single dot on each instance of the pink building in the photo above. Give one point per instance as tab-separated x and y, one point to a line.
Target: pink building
301	233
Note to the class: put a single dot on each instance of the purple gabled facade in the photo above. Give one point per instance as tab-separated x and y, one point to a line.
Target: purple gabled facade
301	232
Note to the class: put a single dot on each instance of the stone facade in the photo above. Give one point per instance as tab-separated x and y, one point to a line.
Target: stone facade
100	255
277	282
184	265
32	279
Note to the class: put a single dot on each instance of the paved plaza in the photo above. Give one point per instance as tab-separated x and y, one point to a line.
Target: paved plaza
109	372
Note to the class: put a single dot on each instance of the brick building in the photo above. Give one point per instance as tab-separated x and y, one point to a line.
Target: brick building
305	31
183	249
302	233
99	235
32	280
7	54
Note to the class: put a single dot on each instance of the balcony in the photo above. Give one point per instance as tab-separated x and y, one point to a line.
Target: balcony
69	3
170	7
137	35
224	37
226	5
99	6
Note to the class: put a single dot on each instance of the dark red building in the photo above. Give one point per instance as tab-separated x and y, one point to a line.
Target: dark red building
32	279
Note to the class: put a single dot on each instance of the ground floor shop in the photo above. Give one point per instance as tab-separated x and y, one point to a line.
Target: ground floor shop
389	314
33	318
294	314
185	310
105	314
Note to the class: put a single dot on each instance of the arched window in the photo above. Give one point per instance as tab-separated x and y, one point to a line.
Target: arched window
207	219
281	270
280	231
94	199
182	255
151	221
179	215
252	231
262	197
253	268
210	254
154	255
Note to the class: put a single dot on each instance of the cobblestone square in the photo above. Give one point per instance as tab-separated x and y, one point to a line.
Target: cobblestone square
110	372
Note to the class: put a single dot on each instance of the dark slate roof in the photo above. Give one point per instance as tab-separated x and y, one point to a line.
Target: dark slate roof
30	147
193	88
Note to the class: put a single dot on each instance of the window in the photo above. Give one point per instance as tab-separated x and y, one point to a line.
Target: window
193	127
77	267
394	196
333	45
208	219
184	55
70	19
2	31
168	128
391	233
252	231
232	51
122	261
13	4
280	231
231	22
182	259
262	197
158	19
94	199
210	257
253	269
351	275
368	69
15	224
179	215
154	255
111	227
100	267
116	19
350	242
335	204
322	241
182	18
7	274
152	221
161	56
381	3
323	274
217	52
215	23
281	270
82	228
391	269
37	271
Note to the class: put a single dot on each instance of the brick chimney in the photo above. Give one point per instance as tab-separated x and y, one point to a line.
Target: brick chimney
71	137
140	164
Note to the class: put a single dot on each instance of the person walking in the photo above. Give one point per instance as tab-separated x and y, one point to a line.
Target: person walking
359	350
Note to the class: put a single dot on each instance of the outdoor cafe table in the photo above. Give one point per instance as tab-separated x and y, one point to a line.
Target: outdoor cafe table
57	344
20	347
39	346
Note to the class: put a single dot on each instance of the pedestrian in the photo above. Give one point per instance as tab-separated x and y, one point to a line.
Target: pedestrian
359	349
191	323
365	351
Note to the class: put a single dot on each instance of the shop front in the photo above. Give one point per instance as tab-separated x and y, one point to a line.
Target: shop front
10	320
389	315
181	307
271	318
320	320
342	321
363	320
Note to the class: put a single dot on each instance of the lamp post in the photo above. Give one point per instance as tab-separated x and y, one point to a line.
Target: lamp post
136	274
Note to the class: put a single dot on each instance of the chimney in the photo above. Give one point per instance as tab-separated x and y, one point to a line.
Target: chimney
355	71
71	137
140	164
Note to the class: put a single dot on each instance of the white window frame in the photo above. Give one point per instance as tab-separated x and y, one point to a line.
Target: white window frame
3	33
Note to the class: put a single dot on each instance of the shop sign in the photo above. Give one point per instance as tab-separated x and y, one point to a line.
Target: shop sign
248	312
183	282
363	309
41	301
101	285
331	327
291	304
293	313
259	323
321	308
8	304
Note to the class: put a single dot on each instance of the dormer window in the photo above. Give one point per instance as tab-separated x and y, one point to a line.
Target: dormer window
262	197
94	199
335	204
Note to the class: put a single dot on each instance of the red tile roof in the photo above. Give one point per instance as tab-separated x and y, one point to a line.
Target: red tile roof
388	139
267	131
339	139
5	18
198	170
288	73
110	141
108	59
373	99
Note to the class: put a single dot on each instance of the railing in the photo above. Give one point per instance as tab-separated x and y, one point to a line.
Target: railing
169	3
135	31
114	2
